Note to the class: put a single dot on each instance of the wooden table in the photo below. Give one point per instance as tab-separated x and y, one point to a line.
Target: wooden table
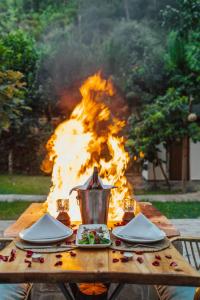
36	210
97	265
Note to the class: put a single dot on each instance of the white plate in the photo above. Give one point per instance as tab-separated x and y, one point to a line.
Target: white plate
116	230
92	227
46	229
45	241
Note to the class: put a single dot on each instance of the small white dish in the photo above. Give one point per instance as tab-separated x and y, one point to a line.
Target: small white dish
46	230
81	229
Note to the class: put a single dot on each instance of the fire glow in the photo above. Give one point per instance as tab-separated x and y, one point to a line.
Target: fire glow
90	137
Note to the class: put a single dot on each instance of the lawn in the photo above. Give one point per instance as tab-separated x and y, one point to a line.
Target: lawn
179	210
12	210
173	210
24	184
39	185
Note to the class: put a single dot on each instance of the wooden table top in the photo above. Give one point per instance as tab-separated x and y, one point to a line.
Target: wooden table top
36	210
95	265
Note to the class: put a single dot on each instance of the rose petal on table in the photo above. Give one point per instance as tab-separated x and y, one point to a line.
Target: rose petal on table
29	253
156	263
140	259
157	257
173	264
58	263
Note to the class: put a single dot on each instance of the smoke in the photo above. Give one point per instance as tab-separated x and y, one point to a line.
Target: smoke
75	51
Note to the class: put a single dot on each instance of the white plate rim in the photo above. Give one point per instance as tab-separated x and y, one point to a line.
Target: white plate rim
136	240
95	245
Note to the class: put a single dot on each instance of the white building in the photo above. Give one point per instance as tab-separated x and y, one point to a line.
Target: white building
173	163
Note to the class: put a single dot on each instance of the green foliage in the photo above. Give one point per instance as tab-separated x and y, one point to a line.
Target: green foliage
12	104
163	122
175	58
19	53
192	50
55	44
184	16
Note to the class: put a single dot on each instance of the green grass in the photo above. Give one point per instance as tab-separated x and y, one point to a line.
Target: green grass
12	210
24	184
172	210
179	210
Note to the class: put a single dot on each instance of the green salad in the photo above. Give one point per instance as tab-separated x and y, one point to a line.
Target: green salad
93	237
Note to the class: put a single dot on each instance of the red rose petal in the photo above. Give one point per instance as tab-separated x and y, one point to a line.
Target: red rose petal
140	260
115	260
12	258
173	264
168	256
118	242
29	253
5	258
27	261
113	251
41	260
124	259
72	253
58	263
122	252
58	255
13	252
29	265
157	257
75	231
156	263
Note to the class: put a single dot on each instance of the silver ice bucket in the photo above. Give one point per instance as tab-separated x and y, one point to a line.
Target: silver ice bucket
93	199
94	206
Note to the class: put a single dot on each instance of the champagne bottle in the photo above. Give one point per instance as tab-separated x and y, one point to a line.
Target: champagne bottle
94	183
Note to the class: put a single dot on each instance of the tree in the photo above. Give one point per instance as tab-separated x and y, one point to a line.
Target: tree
162	122
12	102
183	56
19	53
12	107
134	55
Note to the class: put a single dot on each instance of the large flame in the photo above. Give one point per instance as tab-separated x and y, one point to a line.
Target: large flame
90	137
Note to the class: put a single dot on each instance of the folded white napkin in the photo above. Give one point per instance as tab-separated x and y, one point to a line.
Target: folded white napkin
46	227
141	228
